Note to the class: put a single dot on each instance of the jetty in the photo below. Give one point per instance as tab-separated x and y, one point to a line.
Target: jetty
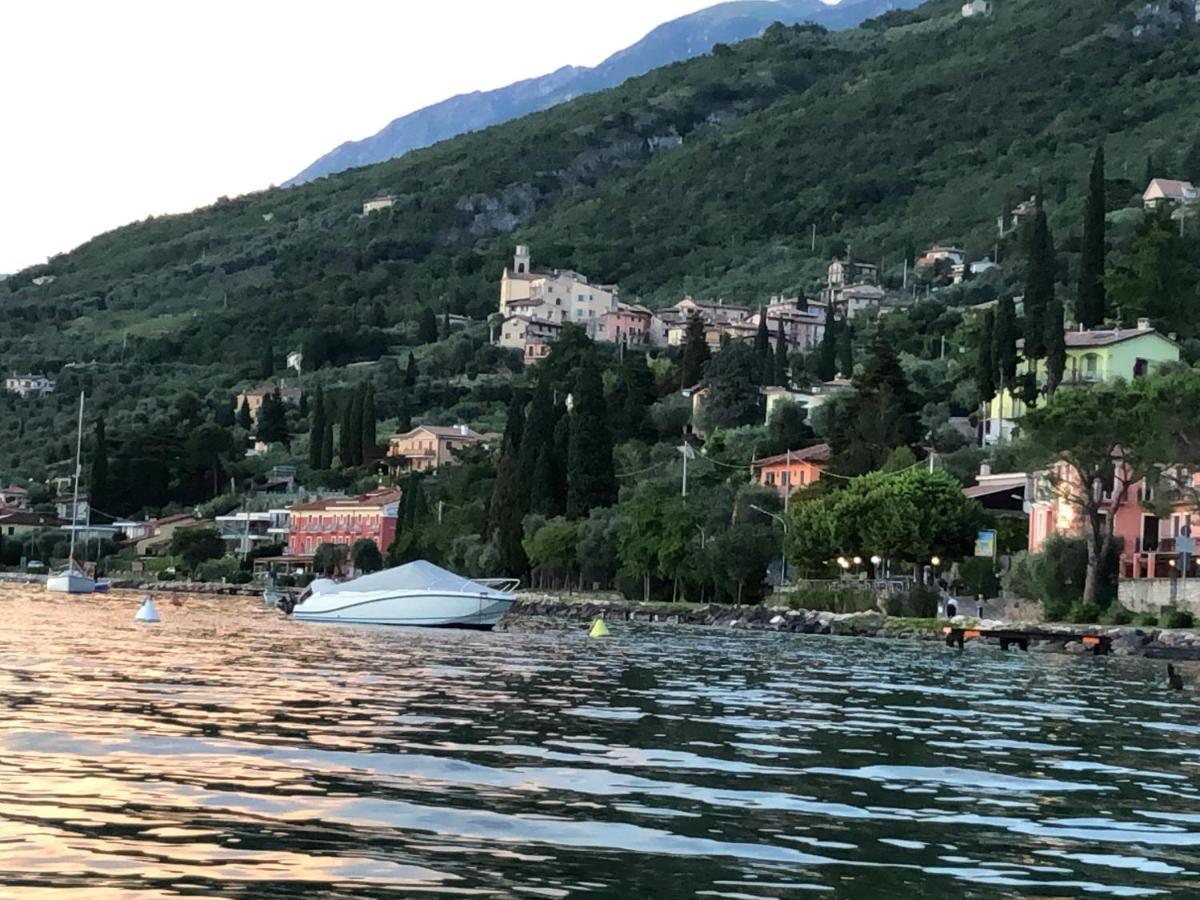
957	636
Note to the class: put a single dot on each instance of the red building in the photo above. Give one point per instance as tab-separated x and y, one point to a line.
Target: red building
344	520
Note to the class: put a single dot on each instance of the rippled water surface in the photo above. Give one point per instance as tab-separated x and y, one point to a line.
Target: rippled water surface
229	752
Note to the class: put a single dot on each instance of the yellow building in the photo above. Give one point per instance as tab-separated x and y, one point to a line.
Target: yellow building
1092	357
557	296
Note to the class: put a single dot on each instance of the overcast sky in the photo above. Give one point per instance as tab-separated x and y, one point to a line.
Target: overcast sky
114	110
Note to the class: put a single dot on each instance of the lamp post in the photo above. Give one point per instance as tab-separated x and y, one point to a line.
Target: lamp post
782	521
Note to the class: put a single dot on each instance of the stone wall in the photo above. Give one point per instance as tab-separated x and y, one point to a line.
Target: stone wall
1152	595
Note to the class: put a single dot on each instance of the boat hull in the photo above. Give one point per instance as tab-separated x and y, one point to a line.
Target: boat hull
70	583
406	609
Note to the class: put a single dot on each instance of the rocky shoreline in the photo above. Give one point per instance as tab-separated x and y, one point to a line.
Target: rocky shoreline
1126	640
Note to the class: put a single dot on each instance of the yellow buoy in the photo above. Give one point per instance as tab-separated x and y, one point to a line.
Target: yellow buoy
599	629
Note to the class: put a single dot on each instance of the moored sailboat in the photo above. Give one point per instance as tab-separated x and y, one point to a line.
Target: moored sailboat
73	579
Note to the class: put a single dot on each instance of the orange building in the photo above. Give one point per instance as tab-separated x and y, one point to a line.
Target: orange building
788	472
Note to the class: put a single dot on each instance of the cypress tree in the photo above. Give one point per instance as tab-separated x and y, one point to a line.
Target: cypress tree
225	413
346	432
244	420
1004	342
1056	346
1090	301
316	430
272	419
327	441
266	366
98	484
514	427
427	326
762	349
539	430
370	423
410	372
591	478
695	353
1039	284
781	374
985	367
357	397
845	350
827	351
507	511
543	494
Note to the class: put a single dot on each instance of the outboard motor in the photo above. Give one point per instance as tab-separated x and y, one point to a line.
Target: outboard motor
287	603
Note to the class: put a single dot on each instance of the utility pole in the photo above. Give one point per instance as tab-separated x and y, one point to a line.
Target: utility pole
787	488
688	453
814	237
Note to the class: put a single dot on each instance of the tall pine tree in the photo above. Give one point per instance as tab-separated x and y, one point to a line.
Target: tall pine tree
845	350
410	371
316	429
98	485
370	424
985	364
357	397
782	374
1091	302
695	354
272	420
347	431
244	419
1039	283
591	478
1056	346
327	440
762	349
827	361
1005	332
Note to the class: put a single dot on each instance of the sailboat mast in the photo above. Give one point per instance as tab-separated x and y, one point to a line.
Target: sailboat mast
78	471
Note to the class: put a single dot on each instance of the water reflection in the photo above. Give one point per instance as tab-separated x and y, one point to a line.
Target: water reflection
228	752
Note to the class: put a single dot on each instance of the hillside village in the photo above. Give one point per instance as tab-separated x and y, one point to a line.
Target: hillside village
572	418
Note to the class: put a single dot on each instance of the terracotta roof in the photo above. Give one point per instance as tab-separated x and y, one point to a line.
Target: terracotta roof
20	517
818	454
445	431
1172	189
381	497
1017	482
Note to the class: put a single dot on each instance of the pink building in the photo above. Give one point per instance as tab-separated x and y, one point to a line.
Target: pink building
625	324
1149	542
344	520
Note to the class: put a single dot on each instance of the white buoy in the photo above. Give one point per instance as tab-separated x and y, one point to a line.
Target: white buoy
147	613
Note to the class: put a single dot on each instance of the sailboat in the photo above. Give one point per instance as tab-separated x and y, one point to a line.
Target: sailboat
73	579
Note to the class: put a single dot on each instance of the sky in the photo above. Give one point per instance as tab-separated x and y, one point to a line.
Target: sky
113	111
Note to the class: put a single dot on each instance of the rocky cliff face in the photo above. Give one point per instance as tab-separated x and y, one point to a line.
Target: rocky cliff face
672	42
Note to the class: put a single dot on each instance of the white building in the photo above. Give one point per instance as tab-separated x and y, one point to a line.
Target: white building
1167	192
976	8
29	385
378	202
557	296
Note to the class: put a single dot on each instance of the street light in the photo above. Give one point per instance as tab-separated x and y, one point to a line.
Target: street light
782	521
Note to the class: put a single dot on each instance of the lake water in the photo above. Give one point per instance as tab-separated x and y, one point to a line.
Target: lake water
229	752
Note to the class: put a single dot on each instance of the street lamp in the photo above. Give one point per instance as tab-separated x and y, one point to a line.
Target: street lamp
782	521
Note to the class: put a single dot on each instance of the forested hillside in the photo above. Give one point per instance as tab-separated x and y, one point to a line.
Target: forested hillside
704	176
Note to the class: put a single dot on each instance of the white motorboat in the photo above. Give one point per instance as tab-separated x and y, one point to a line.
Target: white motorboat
273	596
73	579
418	594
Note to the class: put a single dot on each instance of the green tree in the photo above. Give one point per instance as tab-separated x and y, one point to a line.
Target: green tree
208	448
316	430
427	326
782	372
1005	333
347	432
1039	283
787	429
1099	442
1154	278
881	415
355	430
845	350
740	557
266	365
695	352
370	424
1056	345
330	559
1091	302
327	440
244	419
272	420
507	512
551	551
632	395
98	485
985	362
410	371
827	355
591	478
762	349
733	395
194	546
365	556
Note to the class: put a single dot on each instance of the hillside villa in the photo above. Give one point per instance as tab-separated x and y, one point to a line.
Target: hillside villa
377	203
14	497
343	520
20	522
29	385
788	472
1092	356
427	447
254	398
1167	192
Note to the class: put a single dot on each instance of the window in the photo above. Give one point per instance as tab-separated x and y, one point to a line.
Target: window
770	478
1140	367
1091	367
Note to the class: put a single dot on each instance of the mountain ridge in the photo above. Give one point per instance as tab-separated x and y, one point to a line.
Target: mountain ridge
674	41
